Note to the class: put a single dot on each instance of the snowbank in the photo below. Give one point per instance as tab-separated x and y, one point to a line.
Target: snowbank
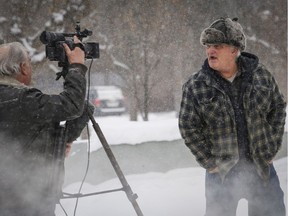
119	130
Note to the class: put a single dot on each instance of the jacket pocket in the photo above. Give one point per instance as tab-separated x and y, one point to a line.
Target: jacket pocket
261	98
212	110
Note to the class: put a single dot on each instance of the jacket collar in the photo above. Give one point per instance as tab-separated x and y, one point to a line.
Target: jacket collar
10	81
246	62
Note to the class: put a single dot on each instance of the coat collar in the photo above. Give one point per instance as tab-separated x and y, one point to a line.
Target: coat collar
246	62
10	81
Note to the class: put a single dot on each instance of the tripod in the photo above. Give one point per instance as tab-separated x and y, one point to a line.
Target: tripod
125	186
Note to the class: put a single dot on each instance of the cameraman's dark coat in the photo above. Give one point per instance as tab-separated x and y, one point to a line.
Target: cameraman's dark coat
32	141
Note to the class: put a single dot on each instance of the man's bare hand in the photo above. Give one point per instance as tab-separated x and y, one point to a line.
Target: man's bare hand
76	55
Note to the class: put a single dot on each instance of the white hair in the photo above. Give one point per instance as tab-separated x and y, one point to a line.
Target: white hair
11	56
238	52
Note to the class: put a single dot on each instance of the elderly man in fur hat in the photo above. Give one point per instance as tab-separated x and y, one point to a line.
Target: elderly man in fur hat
232	119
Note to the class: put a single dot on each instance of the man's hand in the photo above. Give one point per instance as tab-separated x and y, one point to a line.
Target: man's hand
77	55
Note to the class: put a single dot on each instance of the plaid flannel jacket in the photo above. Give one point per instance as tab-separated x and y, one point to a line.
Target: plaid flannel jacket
207	123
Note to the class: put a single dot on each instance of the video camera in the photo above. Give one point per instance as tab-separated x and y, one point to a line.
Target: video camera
54	44
55	50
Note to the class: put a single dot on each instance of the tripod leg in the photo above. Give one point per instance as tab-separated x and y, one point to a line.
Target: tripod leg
131	196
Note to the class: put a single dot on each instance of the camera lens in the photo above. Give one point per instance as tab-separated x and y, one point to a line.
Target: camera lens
50	37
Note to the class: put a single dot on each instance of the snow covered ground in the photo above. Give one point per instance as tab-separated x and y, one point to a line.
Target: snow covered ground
179	192
119	130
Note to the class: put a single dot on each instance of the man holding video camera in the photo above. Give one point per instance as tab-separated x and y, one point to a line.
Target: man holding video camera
31	136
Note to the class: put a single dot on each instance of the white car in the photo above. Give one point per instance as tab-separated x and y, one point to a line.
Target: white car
108	100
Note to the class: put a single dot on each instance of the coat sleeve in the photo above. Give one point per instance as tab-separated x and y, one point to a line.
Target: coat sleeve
67	105
75	126
191	126
277	114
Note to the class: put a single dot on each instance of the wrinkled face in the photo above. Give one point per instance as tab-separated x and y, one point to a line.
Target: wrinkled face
221	57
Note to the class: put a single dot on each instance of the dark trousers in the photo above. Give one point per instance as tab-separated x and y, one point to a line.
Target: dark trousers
243	182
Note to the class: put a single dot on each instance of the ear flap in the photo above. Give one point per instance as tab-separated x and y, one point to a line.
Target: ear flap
234	49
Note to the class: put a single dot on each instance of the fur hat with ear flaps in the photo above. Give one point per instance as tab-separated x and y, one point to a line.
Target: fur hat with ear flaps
224	30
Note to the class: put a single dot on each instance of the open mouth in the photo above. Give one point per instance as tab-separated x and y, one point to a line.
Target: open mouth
212	57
